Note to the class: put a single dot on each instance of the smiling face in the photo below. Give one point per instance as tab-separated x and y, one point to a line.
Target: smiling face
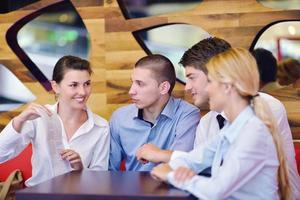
74	89
145	91
196	81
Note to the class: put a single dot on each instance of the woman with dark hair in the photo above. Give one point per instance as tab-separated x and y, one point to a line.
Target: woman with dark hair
65	136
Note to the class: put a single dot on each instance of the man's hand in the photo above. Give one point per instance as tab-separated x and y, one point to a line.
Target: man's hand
151	153
183	174
160	172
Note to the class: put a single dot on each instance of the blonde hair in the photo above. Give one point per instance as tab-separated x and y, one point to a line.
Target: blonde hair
238	67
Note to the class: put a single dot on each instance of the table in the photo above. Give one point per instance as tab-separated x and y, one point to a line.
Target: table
102	185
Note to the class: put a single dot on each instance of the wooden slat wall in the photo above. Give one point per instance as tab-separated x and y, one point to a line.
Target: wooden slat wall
114	50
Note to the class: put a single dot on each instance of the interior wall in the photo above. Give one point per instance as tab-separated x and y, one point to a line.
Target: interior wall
114	50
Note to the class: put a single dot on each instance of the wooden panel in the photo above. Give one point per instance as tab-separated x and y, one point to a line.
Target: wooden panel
114	49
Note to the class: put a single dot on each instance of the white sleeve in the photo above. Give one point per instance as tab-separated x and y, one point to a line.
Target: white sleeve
12	143
177	154
198	159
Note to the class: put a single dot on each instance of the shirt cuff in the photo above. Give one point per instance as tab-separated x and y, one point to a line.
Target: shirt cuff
9	132
183	186
170	177
177	154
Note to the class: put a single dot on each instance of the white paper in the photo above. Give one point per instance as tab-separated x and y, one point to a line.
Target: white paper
54	136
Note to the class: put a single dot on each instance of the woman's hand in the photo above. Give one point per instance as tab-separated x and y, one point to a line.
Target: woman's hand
160	172
73	157
182	174
32	112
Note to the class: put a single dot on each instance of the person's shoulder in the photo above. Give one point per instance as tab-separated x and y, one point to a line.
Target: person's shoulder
185	106
274	104
255	134
126	110
255	126
100	121
209	115
268	97
96	119
51	107
209	120
255	130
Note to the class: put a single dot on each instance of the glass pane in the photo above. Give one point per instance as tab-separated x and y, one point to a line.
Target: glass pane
145	8
158	40
283	41
286	4
13	92
46	36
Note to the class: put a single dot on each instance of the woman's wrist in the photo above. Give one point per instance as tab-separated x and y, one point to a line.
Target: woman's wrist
17	123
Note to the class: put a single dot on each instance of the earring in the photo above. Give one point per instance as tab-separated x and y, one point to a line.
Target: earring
56	96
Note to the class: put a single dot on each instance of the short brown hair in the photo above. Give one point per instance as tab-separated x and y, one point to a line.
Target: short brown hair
199	54
161	66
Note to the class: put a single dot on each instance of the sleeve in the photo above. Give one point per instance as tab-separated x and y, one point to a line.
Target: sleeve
198	159
177	154
116	151
185	131
240	166
13	143
284	130
101	153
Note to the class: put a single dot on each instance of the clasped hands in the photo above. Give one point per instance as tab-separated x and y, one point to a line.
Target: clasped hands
181	174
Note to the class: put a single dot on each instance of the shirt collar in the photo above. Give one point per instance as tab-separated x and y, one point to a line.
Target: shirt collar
91	121
223	115
231	131
168	111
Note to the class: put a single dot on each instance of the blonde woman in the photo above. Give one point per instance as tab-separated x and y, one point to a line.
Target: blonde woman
246	158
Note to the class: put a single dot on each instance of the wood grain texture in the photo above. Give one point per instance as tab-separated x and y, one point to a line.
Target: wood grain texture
114	50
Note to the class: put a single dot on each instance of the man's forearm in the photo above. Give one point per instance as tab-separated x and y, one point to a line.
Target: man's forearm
165	155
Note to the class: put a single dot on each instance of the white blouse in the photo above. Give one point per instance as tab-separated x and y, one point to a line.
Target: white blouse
91	141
